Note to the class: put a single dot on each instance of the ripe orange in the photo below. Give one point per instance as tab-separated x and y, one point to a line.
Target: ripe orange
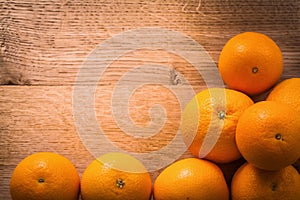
45	176
191	178
288	92
250	62
209	123
251	183
268	135
116	176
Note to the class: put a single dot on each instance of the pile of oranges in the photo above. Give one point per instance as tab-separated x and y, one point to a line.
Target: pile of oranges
242	149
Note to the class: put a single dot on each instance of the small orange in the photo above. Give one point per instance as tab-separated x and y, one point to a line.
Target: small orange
191	178
209	123
288	92
251	183
45	176
116	176
250	62
268	135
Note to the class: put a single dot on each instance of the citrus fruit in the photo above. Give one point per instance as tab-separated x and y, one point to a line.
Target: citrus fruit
209	123
191	178
116	176
288	92
250	62
45	176
268	135
251	183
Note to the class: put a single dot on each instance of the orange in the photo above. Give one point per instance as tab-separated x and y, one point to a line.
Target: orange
251	183
45	176
191	178
116	176
268	135
209	123
250	62
288	92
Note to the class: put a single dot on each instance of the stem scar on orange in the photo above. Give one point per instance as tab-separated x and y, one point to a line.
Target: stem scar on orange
250	62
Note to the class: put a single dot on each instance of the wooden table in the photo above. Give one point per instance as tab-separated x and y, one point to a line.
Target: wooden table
44	44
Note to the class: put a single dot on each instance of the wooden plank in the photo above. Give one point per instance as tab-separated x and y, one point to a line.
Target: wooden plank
40	118
36	119
45	43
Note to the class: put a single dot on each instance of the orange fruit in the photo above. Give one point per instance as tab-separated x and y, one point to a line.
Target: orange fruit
268	135
251	183
191	178
45	176
116	176
250	62
288	92
209	123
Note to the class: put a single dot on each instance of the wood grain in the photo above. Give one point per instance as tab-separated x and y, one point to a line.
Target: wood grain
44	44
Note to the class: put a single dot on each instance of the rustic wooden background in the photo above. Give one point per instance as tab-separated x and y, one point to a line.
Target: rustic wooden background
44	43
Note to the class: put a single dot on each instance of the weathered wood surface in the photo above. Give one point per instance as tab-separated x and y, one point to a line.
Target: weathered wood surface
45	43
